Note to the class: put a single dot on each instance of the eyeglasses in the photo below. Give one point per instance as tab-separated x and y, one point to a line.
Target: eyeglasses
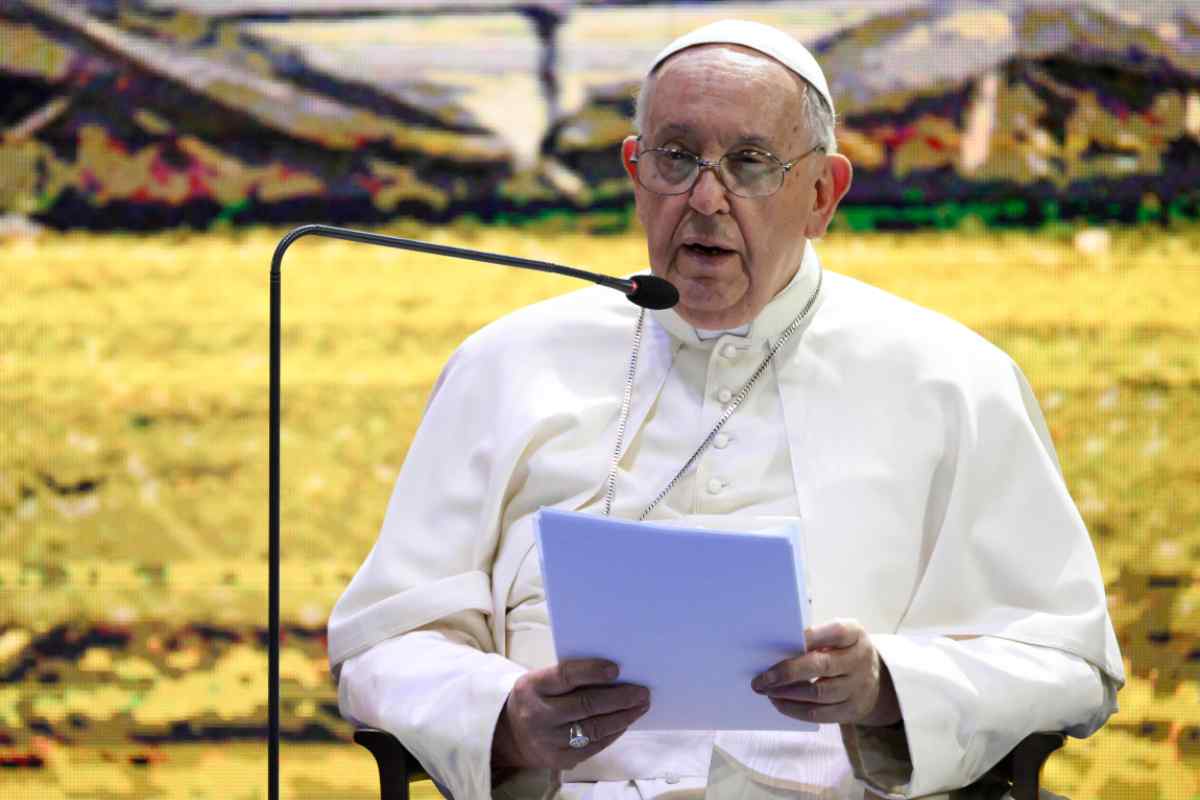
747	173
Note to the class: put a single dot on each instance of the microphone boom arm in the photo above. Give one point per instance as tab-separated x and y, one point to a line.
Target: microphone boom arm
653	292
400	243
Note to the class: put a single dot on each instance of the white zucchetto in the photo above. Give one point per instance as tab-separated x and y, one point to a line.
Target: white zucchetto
755	36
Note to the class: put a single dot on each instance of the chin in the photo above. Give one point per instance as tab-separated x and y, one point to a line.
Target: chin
704	296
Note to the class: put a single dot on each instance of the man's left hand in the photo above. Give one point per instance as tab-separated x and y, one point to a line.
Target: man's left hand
840	679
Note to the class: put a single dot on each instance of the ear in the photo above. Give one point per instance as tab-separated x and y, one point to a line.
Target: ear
828	190
629	149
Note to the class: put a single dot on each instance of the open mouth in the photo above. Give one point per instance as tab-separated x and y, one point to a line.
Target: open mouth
706	251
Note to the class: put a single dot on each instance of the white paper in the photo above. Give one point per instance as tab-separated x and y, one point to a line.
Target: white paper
692	614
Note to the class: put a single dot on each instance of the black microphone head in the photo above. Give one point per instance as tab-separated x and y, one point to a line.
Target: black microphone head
651	291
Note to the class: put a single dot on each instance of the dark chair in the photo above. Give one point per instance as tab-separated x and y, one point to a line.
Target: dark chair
1020	769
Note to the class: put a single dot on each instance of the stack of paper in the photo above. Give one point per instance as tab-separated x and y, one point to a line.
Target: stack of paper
692	614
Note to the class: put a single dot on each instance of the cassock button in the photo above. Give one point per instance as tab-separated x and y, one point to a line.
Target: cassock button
715	486
729	351
725	395
721	441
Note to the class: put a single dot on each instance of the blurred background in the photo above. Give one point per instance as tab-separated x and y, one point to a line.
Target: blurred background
1031	169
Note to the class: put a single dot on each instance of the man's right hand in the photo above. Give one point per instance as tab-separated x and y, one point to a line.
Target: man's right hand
534	726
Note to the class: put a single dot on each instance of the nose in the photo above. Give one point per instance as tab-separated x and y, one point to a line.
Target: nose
709	195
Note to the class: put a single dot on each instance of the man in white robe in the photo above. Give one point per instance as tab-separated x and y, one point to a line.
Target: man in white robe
957	600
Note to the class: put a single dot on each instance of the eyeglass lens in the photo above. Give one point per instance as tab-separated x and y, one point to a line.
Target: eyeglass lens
674	172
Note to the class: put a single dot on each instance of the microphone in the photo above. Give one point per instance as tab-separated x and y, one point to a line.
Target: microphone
647	291
651	291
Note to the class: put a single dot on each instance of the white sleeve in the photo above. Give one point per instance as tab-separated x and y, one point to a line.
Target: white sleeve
439	695
1007	632
966	704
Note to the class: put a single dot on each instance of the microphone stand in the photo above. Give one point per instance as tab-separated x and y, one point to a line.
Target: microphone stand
645	290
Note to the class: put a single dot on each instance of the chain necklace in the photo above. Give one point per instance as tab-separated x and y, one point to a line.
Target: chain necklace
611	483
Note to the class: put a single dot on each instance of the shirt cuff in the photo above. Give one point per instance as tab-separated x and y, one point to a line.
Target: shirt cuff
880	757
965	705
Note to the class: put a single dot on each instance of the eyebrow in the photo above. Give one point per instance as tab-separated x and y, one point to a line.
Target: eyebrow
675	128
755	140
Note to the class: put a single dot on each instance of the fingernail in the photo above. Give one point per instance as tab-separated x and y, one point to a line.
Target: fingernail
611	672
771	678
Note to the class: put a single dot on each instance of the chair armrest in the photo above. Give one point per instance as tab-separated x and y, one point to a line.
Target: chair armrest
397	766
1021	768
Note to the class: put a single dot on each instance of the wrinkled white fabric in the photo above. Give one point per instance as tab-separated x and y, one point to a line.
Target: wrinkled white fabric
918	462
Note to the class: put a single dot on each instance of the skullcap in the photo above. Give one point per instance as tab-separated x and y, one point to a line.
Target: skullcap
756	36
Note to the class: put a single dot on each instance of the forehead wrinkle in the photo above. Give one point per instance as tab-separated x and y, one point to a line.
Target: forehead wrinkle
702	74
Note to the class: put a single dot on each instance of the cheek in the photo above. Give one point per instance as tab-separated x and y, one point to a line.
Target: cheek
642	207
778	241
659	221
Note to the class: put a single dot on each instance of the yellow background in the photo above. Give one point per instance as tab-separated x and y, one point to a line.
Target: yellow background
132	612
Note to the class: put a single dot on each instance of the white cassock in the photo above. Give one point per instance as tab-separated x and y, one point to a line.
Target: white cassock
912	450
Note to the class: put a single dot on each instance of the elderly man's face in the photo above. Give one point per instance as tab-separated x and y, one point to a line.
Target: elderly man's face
709	101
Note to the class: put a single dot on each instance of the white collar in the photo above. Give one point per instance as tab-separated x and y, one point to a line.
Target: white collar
704	335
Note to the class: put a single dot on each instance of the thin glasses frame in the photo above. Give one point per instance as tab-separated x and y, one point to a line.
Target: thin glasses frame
703	164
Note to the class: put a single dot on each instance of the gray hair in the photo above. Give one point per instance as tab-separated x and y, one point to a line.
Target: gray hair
815	113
